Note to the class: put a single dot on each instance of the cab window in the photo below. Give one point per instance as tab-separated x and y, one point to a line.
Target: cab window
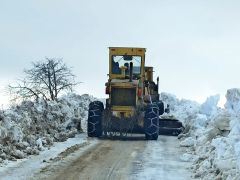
124	61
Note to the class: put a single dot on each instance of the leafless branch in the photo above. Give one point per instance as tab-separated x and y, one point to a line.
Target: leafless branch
45	79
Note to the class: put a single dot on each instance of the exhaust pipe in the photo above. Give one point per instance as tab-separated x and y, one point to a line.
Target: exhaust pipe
131	72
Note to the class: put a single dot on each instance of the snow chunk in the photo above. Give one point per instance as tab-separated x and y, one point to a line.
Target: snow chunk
233	101
186	157
18	154
210	105
39	144
201	121
222	120
188	142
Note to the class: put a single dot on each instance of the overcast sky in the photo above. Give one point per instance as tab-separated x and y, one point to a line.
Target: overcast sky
192	44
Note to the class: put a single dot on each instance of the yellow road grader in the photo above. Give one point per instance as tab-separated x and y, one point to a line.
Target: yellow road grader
133	105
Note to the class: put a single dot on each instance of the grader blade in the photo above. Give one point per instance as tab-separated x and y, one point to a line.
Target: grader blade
172	127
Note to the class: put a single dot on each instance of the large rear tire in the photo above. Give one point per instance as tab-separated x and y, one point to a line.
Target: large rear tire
151	122
94	125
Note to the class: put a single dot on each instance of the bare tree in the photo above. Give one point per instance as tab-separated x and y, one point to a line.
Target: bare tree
45	79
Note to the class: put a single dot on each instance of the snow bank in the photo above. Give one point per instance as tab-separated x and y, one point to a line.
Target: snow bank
184	110
31	127
211	134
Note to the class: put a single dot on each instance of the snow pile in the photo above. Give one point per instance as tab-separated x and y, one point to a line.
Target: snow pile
211	134
184	110
31	127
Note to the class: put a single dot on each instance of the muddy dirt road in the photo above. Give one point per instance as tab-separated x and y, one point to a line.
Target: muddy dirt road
117	159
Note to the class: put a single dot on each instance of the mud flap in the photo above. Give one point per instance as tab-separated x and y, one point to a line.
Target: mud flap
170	127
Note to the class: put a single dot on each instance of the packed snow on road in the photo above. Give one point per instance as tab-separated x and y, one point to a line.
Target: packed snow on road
35	135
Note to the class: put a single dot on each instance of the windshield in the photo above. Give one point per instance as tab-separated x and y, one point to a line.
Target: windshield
124	61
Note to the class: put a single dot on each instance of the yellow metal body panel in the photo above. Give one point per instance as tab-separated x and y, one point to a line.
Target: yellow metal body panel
125	111
128	110
117	80
124	84
122	108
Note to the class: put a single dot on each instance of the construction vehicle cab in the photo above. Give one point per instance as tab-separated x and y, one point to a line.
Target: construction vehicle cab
133	105
126	75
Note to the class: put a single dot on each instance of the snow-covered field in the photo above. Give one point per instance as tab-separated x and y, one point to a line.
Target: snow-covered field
211	139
